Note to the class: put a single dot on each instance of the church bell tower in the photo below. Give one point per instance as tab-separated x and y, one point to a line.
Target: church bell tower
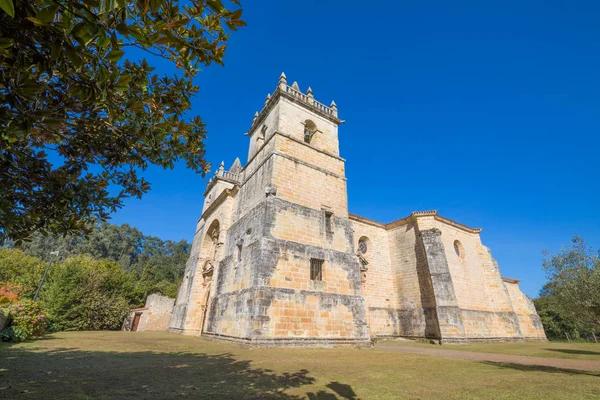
286	271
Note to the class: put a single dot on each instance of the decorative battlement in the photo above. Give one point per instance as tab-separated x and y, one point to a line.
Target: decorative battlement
295	93
233	175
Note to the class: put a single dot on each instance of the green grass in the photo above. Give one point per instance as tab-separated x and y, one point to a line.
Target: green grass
577	351
123	365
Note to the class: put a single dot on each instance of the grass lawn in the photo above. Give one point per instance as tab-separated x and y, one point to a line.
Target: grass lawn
578	351
120	365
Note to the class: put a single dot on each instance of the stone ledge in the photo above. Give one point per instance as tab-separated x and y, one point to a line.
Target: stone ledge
291	342
471	340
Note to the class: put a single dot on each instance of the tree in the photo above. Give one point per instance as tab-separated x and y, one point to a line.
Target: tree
557	323
77	123
156	265
574	282
87	294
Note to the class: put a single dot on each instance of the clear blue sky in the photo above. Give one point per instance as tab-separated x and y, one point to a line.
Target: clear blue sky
488	113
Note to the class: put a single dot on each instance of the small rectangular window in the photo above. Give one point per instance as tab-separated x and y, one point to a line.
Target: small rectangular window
316	269
329	221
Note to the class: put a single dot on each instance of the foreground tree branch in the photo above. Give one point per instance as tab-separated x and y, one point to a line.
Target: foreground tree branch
65	86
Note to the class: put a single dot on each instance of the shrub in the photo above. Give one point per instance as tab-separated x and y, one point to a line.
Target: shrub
87	294
10	293
26	320
14	334
19	268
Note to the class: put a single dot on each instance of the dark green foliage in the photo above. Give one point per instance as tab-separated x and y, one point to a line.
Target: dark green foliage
66	95
87	294
156	265
557	323
13	334
570	301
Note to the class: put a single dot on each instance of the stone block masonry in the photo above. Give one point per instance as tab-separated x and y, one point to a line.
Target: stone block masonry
278	260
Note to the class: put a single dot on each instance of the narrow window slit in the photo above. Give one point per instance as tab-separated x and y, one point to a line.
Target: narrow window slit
316	269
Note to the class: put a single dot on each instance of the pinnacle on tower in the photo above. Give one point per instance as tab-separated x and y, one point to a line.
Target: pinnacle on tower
255	117
295	86
267	99
282	85
334	109
311	97
236	167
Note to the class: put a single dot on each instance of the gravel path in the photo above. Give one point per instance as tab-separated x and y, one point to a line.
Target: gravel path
584	365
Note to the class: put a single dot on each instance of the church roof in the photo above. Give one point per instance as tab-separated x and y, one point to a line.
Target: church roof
415	214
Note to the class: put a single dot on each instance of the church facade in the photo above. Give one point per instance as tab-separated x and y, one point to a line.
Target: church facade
277	259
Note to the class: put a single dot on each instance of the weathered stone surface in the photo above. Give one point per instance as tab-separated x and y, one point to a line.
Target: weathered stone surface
154	316
249	279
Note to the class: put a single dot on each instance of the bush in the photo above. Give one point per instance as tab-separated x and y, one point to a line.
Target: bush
87	294
26	320
10	293
19	268
14	334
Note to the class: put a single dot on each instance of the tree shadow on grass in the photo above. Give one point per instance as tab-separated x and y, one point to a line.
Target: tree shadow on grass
571	351
541	368
344	391
72	373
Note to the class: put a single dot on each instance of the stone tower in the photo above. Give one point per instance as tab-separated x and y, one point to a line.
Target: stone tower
273	257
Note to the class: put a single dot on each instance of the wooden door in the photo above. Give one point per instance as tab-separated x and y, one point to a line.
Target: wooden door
136	322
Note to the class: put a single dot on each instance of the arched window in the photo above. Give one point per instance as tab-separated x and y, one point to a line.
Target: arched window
364	245
459	250
310	128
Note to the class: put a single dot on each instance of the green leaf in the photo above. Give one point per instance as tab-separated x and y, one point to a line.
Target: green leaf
115	55
155	5
47	15
103	41
8	7
74	57
35	20
123	83
92	3
6	43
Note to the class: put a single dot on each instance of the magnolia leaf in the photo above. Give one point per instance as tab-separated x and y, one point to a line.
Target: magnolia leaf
8	7
123	83
74	57
35	20
47	15
115	55
6	43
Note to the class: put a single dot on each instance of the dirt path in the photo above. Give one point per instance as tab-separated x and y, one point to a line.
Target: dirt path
584	365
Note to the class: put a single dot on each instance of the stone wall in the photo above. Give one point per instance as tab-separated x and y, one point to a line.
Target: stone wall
291	119
267	295
155	316
379	289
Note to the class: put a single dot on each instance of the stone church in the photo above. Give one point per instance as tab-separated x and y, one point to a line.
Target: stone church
277	259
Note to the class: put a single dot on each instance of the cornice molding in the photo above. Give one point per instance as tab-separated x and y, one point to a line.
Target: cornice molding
412	217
